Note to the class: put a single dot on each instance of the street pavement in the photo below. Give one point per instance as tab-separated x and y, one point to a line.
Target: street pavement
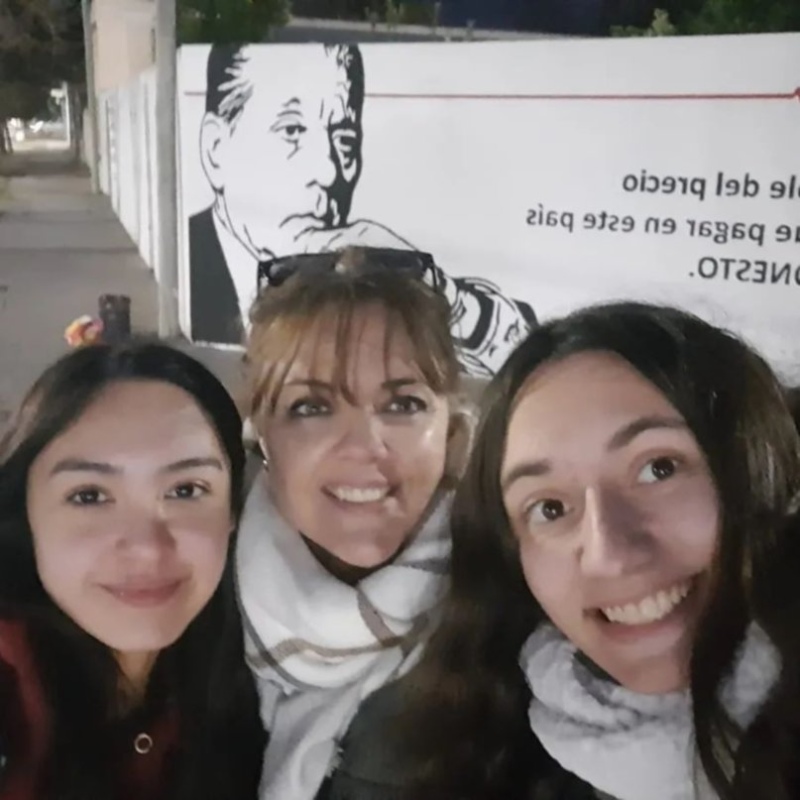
61	247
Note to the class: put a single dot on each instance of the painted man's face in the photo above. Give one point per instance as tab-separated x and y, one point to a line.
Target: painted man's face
291	160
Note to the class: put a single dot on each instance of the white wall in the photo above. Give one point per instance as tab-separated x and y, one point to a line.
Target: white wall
103	157
466	166
128	165
87	137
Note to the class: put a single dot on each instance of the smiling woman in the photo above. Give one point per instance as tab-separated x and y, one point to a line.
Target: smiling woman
618	525
621	535
345	542
120	487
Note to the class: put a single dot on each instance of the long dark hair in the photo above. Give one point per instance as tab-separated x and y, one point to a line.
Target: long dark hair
793	399
468	709
203	674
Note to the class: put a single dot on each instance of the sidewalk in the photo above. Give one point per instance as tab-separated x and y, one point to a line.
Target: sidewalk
60	249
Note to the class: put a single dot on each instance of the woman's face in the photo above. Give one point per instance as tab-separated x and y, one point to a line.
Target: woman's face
130	510
355	473
616	513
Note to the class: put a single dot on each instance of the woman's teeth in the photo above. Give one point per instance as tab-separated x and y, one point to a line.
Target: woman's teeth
354	494
650	609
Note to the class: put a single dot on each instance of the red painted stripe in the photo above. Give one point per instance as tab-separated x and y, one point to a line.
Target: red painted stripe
795	95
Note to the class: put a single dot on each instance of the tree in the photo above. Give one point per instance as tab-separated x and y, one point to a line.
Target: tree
41	41
397	12
229	21
660	26
744	16
20	101
23	100
718	17
41	44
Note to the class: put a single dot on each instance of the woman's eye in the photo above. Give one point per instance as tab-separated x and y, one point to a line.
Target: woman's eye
309	408
187	491
546	511
406	404
659	469
87	497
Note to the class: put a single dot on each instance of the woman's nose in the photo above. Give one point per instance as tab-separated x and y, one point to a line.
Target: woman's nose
614	539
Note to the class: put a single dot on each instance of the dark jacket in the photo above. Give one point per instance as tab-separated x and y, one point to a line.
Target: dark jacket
370	767
25	729
214	304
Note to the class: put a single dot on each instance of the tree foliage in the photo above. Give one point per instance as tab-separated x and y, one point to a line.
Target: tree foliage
713	17
41	41
41	44
228	21
660	26
744	16
23	100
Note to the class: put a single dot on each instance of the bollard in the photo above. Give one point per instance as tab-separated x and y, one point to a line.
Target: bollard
115	314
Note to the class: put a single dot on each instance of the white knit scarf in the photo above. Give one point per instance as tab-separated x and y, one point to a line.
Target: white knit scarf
627	745
317	646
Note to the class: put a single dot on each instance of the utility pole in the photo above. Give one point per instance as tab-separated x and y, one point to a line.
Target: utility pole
166	153
91	96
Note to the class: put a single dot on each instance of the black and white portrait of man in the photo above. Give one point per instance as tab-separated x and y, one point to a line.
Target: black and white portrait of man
283	155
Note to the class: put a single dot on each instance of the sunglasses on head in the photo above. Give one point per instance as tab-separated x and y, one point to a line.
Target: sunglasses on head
414	263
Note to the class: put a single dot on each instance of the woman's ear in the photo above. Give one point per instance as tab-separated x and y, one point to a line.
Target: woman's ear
459	441
262	446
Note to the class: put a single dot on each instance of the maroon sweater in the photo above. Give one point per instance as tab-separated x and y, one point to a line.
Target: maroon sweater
28	725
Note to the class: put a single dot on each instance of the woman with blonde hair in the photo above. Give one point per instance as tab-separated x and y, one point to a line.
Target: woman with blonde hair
344	544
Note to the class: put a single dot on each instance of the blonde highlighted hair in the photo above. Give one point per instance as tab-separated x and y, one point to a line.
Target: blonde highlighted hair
283	316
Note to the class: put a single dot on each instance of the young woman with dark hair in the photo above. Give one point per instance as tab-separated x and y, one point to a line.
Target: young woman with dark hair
624	613
122	670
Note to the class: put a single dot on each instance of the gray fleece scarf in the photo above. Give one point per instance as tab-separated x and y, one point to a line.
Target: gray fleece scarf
626	745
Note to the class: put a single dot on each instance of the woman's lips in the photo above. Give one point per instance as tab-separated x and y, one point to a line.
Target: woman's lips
671	616
145	595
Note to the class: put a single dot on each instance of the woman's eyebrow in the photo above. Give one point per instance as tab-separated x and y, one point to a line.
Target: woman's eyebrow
627	433
525	469
84	465
194	463
104	468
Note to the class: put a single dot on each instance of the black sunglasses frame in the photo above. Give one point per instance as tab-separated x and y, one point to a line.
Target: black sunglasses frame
416	263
